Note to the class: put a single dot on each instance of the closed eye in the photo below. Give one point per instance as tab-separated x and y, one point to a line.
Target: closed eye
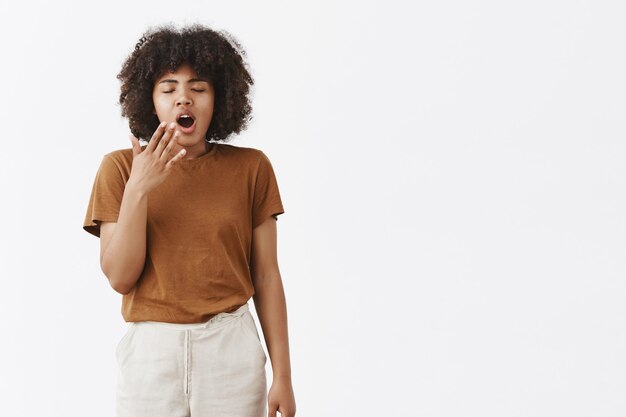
193	89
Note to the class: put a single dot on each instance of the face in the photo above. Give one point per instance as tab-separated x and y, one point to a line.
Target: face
186	99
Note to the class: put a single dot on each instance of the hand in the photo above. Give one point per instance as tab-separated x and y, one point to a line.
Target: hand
152	165
280	398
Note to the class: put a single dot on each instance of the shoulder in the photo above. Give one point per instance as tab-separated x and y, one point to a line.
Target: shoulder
243	154
121	154
240	150
121	158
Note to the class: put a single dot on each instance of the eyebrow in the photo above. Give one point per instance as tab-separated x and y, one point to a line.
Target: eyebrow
193	80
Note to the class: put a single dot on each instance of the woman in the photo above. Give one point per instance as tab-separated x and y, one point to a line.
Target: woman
187	231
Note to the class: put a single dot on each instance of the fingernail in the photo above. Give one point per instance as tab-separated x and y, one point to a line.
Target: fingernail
172	125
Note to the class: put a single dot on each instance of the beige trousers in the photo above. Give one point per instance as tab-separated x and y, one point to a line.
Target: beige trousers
211	369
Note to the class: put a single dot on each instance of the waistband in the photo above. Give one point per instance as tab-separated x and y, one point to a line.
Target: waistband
220	318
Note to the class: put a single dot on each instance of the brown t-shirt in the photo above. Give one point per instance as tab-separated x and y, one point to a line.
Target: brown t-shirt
198	232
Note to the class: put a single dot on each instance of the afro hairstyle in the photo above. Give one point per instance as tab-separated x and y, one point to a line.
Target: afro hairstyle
215	55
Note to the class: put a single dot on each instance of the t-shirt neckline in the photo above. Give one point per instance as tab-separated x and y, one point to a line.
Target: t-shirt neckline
194	161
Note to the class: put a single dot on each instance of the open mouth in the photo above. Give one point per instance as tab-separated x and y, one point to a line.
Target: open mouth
185	121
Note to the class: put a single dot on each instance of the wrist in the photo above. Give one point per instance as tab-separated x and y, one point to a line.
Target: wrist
133	188
282	376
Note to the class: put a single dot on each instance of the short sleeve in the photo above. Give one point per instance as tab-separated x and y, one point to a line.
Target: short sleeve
267	201
106	196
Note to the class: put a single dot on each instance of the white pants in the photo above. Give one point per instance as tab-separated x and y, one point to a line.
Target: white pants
211	369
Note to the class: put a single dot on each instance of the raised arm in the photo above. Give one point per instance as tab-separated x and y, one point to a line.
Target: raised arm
123	244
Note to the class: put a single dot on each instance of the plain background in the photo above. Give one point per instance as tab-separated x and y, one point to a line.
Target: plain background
453	177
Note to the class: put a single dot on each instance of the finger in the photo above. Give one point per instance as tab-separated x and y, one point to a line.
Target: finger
155	137
170	146
136	146
165	139
271	410
176	158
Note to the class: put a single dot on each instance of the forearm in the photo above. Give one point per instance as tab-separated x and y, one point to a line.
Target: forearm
271	307
125	255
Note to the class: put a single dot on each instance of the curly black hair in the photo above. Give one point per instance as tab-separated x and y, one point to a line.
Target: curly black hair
215	55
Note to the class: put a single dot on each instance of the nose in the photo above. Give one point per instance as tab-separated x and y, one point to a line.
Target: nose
183	100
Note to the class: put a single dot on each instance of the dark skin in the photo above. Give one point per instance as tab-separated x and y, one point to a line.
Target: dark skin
271	308
152	165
